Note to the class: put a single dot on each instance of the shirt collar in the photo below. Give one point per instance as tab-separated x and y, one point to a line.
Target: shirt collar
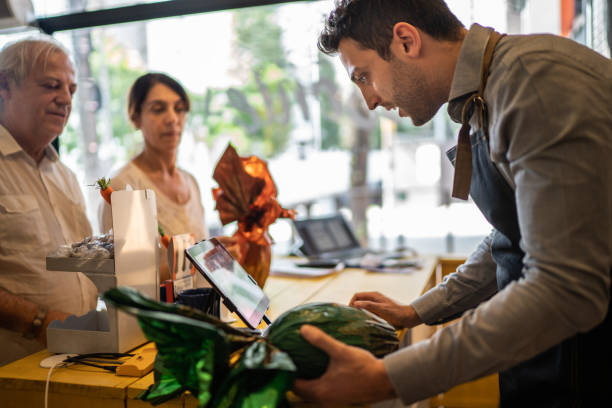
467	72
8	146
51	153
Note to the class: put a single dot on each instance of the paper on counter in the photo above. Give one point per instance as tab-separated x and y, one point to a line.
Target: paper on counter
288	267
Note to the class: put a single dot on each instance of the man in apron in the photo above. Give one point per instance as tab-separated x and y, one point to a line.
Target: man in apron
534	153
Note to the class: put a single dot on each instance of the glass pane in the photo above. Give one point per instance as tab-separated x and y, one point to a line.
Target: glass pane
257	80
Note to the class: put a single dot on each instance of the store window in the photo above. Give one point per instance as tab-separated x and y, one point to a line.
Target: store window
257	80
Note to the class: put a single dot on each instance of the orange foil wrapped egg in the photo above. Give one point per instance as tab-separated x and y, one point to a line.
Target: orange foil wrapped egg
247	194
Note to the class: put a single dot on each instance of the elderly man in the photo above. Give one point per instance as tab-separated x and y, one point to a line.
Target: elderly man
41	204
534	154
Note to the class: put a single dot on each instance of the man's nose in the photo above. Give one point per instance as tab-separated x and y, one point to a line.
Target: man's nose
64	96
371	98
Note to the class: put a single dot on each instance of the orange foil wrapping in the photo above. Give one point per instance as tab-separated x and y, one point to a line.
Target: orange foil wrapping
247	194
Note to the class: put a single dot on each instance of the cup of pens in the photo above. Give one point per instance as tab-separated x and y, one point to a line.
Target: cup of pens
204	299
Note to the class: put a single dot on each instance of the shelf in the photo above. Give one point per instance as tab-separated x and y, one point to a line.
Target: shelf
86	265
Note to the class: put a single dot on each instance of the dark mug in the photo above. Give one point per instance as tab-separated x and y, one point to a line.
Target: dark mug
204	299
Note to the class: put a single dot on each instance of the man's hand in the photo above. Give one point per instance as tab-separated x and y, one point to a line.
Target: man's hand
51	316
400	316
17	314
353	374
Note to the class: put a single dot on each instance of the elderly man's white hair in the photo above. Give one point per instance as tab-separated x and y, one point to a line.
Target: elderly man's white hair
18	58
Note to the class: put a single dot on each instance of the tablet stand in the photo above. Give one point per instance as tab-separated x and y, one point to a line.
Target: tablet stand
230	306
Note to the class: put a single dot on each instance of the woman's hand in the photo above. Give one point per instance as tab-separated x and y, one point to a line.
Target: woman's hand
400	316
353	375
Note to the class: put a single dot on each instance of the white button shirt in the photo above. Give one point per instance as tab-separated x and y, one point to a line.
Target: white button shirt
41	208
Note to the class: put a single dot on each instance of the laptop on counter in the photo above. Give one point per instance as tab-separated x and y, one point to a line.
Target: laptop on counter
330	240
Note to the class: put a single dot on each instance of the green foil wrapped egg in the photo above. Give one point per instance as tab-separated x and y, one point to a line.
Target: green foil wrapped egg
355	327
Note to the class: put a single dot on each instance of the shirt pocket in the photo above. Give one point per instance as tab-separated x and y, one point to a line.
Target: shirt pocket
73	219
21	223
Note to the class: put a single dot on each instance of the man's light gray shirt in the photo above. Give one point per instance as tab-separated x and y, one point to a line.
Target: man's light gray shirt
550	129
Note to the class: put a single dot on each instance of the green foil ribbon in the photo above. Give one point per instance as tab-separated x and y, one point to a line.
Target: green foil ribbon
219	364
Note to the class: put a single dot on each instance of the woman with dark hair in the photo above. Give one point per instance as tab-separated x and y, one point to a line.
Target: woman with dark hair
158	106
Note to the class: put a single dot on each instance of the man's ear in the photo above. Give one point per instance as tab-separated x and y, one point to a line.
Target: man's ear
406	41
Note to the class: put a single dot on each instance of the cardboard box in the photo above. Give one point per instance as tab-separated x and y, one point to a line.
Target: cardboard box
136	264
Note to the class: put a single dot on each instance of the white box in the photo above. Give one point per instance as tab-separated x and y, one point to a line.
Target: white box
136	264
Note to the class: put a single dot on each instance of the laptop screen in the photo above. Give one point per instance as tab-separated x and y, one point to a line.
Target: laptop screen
325	235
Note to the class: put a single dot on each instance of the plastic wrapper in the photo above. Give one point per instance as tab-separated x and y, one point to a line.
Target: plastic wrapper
226	367
96	246
219	364
247	194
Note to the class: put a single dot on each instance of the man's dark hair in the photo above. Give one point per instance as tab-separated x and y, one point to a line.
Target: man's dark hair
371	22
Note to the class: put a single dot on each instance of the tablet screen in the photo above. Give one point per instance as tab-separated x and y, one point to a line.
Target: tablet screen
232	282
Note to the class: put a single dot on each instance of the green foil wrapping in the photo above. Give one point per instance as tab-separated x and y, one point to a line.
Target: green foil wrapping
219	364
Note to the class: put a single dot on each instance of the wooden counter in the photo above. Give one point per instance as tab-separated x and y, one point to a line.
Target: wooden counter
22	383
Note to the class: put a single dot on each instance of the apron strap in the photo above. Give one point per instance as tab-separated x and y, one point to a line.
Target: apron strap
463	159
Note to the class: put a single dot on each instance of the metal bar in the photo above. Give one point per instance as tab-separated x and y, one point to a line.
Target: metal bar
140	12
